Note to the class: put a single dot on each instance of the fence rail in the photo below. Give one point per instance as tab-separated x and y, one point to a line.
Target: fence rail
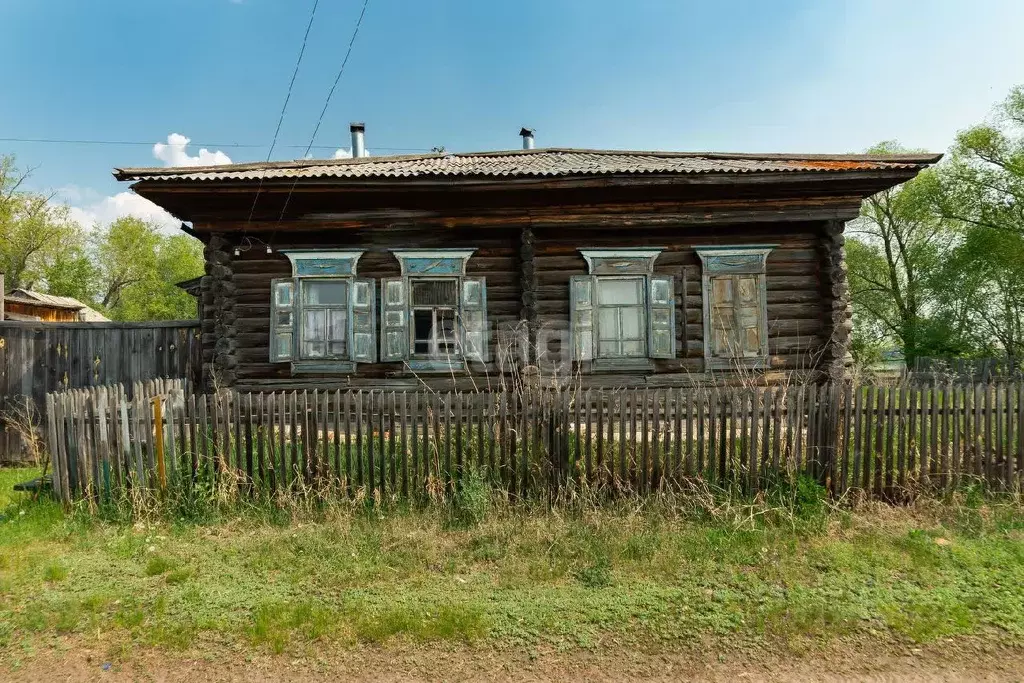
882	441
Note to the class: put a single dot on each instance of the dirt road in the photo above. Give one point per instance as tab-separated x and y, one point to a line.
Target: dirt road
939	662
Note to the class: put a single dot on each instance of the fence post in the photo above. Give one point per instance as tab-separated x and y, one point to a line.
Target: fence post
158	432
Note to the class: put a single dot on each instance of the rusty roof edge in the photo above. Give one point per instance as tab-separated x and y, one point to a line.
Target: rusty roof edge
129	173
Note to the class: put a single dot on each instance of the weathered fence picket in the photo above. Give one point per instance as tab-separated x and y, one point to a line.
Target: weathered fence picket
884	442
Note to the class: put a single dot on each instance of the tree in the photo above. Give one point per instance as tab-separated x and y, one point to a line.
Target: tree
139	267
894	249
125	254
982	185
35	234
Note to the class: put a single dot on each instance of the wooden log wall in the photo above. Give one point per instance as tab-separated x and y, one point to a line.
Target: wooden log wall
796	307
38	358
528	269
497	257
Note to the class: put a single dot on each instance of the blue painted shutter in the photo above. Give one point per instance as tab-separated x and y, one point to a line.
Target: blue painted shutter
363	325
581	314
661	321
282	320
394	311
474	318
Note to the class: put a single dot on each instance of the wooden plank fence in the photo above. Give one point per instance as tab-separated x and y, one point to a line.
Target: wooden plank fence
878	441
37	358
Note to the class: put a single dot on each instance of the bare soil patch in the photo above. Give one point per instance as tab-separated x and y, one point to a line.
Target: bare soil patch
948	661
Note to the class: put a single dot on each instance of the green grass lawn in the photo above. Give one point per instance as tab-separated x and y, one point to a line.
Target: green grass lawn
669	572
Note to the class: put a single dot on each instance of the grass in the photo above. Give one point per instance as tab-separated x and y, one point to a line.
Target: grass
787	571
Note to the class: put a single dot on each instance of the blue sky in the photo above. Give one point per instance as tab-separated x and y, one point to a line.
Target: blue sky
728	75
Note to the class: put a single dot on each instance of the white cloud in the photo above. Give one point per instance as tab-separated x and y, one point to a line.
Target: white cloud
173	153
89	208
346	153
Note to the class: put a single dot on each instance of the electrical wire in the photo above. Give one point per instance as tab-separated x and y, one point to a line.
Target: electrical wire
327	102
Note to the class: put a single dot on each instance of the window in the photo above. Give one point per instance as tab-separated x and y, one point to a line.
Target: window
622	312
735	306
434	315
620	318
435	304
322	318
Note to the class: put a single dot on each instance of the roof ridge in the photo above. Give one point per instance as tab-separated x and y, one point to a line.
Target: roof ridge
129	172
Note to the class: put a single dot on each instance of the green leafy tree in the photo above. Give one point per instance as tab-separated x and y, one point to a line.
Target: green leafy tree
894	248
36	235
138	268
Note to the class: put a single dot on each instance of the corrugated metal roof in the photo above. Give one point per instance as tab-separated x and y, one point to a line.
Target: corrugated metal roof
533	163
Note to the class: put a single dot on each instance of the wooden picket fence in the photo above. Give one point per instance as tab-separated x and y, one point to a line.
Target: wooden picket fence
878	441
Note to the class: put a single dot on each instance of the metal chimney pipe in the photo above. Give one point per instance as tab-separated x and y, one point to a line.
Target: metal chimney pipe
527	134
358	143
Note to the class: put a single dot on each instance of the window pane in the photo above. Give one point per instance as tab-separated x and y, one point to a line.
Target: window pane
314	325
619	291
608	323
632	348
325	292
337	331
607	348
435	292
445	332
423	322
284	318
630	320
314	333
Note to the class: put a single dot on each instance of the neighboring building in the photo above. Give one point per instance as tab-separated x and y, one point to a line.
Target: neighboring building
663	268
24	304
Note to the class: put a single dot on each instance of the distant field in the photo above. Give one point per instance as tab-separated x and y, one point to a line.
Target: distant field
789	575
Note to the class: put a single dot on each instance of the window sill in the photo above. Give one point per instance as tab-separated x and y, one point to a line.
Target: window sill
620	364
423	365
319	367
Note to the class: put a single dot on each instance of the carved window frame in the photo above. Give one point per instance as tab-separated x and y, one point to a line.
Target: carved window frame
718	261
317	265
658	305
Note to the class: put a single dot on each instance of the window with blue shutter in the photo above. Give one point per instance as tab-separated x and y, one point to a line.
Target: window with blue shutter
622	312
434	317
322	319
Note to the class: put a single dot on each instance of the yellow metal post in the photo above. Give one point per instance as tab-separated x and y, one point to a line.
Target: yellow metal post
158	426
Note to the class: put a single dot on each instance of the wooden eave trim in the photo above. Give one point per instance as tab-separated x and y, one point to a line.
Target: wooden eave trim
321	184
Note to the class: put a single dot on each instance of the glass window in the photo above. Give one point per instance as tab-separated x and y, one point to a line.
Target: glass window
323	332
621	317
325	292
434	305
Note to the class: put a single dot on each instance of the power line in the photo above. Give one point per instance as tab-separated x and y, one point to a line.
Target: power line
236	145
284	107
327	102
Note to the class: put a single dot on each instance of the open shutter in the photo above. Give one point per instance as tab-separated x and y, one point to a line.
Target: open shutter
474	318
749	335
282	320
394	306
363	325
661	331
581	313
